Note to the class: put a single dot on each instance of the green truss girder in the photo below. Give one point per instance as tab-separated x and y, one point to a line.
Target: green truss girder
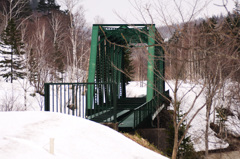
106	56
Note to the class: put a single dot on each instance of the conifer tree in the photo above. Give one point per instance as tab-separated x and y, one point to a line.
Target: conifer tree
11	63
185	150
231	30
44	5
51	4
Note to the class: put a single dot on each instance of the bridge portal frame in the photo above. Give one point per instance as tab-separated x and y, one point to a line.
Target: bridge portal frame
120	35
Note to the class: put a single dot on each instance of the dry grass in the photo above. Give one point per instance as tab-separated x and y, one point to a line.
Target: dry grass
141	141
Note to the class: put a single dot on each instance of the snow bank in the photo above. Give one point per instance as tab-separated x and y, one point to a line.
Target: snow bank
27	135
198	125
136	89
19	95
197	129
14	94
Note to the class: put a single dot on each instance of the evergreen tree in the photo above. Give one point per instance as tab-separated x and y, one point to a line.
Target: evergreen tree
185	150
46	5
42	5
52	4
11	63
231	30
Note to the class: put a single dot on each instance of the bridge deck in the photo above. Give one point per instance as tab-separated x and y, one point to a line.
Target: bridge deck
124	111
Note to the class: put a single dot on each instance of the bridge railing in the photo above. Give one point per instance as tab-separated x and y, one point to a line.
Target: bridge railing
146	109
71	98
141	112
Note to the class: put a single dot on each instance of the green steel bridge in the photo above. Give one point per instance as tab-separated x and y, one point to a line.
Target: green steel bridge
103	98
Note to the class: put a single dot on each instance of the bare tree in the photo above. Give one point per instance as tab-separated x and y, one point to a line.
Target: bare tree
12	9
38	49
139	59
192	58
78	50
56	22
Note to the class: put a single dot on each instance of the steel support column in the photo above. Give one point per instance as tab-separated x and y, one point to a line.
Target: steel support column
92	65
150	73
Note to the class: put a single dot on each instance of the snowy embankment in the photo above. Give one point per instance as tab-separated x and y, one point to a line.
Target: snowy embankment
198	125
28	134
19	95
24	134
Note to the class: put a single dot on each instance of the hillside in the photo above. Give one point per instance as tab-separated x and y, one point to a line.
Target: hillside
197	128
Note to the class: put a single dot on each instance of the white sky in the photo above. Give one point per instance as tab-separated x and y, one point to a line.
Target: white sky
106	9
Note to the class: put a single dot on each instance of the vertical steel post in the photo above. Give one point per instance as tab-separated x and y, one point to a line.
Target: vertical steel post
92	64
53	97
119	65
123	79
150	73
162	69
73	99
47	97
115	102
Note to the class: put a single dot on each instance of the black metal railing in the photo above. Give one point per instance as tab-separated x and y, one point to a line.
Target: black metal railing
146	109
86	100
143	111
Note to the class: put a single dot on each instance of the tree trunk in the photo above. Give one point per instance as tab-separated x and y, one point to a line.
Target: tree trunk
175	147
206	139
207	127
175	144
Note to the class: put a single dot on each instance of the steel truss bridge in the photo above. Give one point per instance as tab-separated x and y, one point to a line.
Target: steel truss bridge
103	98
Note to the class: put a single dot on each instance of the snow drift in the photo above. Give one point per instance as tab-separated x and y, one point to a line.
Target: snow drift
27	135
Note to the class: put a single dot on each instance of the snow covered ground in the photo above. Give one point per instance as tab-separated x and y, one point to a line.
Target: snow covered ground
28	135
25	134
19	95
197	128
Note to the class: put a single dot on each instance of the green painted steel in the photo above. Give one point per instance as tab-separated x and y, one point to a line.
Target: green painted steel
70	98
103	98
93	54
106	60
92	65
108	53
159	73
150	73
106	79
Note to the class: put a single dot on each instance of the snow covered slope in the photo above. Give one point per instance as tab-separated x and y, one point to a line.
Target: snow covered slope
197	129
27	135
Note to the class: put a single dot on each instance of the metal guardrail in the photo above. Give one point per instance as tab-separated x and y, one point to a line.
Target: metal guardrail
71	98
146	109
143	111
95	101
